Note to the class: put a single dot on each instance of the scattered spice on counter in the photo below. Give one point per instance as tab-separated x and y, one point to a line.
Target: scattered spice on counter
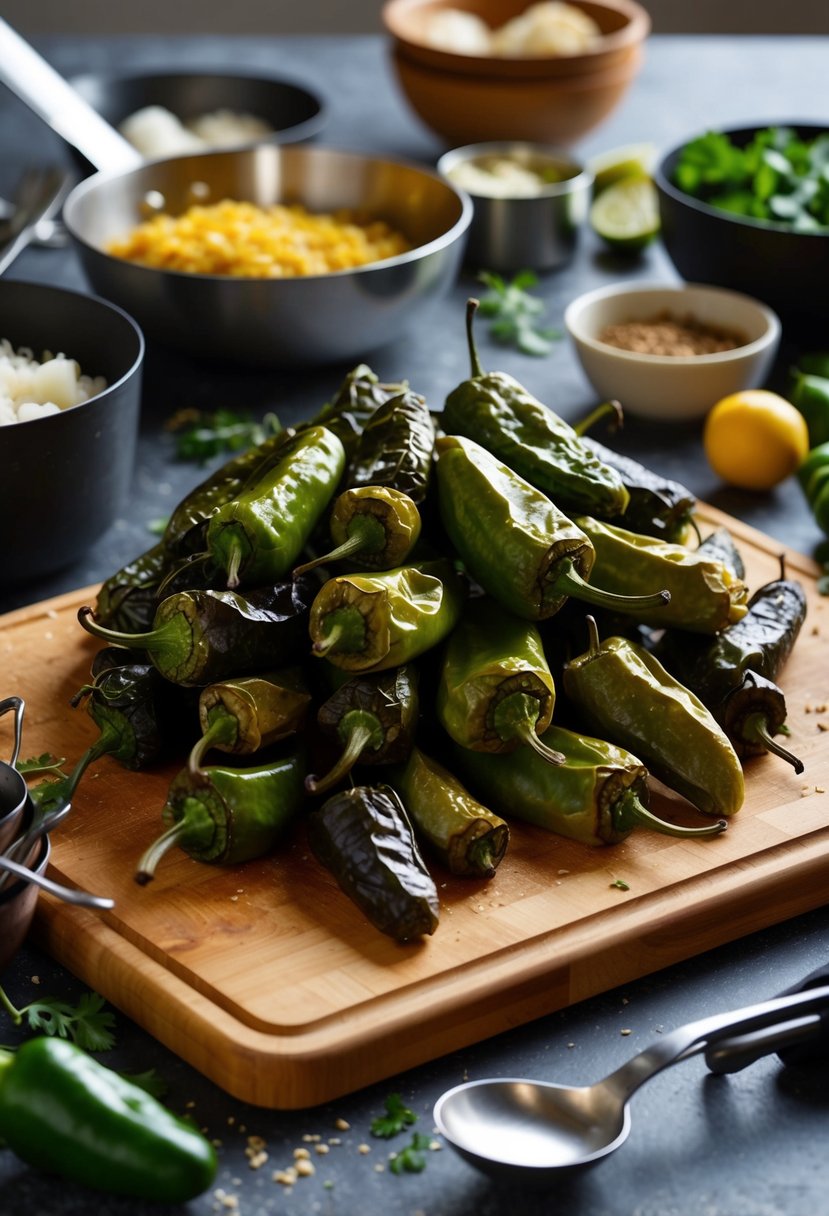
667	335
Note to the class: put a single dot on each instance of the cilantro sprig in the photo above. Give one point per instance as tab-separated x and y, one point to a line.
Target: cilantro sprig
87	1023
201	435
397	1118
44	763
515	315
411	1159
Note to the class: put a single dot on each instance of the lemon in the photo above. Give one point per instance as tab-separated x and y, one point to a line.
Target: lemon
755	439
626	214
631	160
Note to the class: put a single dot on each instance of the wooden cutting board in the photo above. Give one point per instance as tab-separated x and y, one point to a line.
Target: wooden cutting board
269	981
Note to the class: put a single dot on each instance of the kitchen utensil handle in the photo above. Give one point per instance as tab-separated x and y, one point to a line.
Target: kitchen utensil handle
735	1054
54	100
69	895
48	206
810	1045
18	705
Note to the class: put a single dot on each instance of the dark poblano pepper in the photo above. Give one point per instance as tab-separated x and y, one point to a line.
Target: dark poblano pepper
598	796
378	524
734	672
374	717
243	715
468	838
704	595
514	541
395	448
496	691
498	413
228	815
63	1112
359	396
720	545
370	622
257	537
128	599
657	506
364	837
199	637
627	696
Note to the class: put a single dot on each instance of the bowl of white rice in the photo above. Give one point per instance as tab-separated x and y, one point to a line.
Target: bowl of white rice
70	399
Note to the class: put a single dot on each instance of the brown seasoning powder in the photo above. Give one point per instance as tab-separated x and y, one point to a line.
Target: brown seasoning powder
665	335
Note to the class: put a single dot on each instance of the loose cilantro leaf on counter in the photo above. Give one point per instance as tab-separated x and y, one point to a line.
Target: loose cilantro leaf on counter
620	884
201	435
412	1159
515	314
398	1116
45	763
87	1023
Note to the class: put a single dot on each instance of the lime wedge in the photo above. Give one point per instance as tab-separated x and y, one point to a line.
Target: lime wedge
631	160
626	215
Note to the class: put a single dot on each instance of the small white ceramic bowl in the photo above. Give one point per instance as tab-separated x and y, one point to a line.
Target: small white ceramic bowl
672	388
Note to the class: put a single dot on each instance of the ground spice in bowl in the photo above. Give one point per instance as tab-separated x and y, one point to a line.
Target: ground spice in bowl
665	335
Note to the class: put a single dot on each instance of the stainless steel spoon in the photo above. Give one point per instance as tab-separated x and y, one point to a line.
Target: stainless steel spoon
533	1131
68	894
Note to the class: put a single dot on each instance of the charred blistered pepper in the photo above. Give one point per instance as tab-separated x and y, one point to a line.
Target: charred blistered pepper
720	545
202	636
498	413
243	715
734	673
598	796
657	506
704	595
378	524
395	448
257	537
227	815
627	696
370	622
360	395
469	839
496	691
514	541
364	837
128	599
374	717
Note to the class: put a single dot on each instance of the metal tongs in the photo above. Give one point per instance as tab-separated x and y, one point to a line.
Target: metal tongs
38	198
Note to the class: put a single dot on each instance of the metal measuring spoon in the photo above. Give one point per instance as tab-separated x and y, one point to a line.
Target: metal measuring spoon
68	894
533	1131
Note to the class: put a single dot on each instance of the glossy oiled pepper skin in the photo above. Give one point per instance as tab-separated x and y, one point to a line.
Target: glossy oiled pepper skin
395	448
64	1113
359	396
810	393
257	537
468	838
502	416
128	599
374	526
657	506
370	622
242	715
626	695
813	476
199	637
705	595
364	837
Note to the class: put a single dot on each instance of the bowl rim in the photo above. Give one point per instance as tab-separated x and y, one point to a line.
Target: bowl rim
69	294
16	888
581	179
666	186
770	335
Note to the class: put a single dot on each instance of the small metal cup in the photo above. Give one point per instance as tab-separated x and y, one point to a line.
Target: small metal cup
14	792
524	233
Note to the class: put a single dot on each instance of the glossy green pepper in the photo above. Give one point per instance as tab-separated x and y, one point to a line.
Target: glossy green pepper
128	599
395	448
598	796
813	476
359	396
704	594
498	413
370	622
64	1113
378	524
810	394
468	838
513	540
496	691
257	537
626	695
228	815
241	716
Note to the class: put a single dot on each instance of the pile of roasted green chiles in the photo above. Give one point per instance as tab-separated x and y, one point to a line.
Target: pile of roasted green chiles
382	605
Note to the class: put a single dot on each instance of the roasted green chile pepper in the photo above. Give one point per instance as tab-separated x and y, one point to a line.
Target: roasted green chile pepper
810	393
378	524
228	815
598	796
199	637
243	715
64	1113
395	448
513	540
374	717
468	838
720	545
359	396
704	595
370	622
626	695
496	691
257	537
498	413
657	506
128	599
364	838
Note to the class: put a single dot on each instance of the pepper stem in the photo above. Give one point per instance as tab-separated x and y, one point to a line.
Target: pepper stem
234	564
596	415
629	812
516	717
324	644
755	729
145	872
153	641
15	1014
356	543
222	729
568	581
358	741
481	857
472	306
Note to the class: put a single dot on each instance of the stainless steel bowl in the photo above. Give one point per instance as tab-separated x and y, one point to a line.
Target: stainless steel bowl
513	232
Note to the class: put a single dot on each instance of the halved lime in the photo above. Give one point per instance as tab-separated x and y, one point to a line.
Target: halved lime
626	215
631	160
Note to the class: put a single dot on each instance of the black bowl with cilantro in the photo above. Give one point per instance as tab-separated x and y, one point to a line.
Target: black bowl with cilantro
749	209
